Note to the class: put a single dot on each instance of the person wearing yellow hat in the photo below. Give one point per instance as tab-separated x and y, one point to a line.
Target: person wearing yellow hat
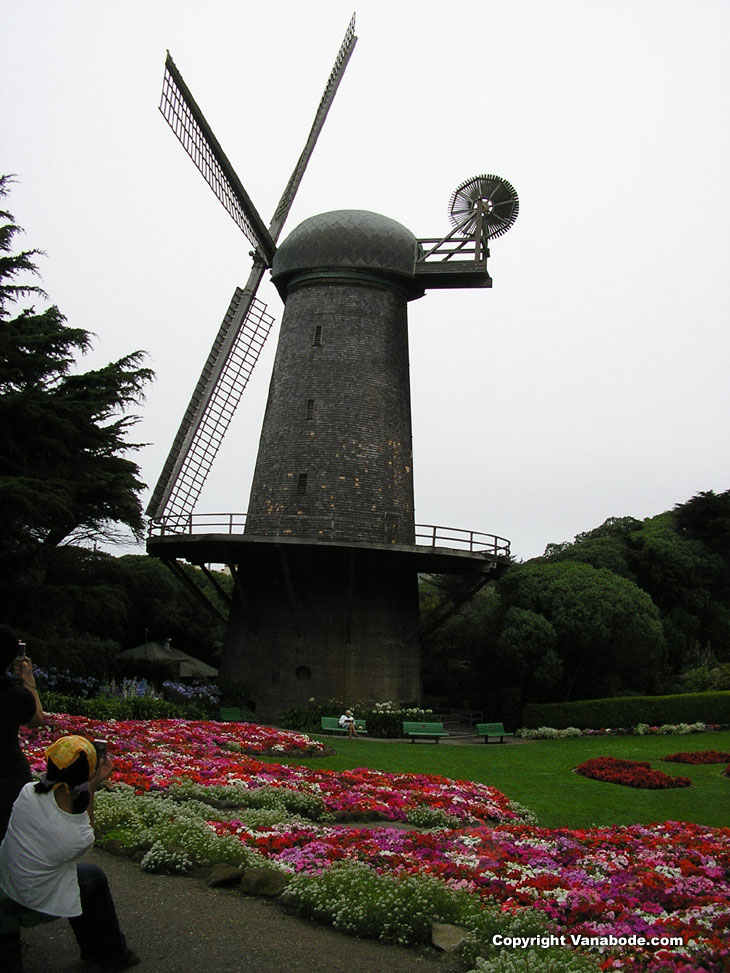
50	828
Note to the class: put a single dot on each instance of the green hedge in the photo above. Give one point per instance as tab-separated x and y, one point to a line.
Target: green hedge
626	711
113	708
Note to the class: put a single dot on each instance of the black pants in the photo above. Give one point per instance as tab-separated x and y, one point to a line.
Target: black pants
97	929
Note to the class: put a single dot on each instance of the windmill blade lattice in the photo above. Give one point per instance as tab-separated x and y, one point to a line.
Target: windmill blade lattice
490	198
336	74
187	121
247	324
225	375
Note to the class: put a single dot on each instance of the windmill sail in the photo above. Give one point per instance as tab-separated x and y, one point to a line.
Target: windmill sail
225	375
328	96
247	324
187	121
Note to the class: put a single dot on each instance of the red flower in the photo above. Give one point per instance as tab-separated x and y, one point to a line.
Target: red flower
630	773
699	757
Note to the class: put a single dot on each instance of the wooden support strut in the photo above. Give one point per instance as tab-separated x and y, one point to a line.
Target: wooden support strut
443	612
216	584
284	560
239	594
192	587
350	597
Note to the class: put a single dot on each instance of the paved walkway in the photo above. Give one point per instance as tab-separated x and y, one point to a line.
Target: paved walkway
179	925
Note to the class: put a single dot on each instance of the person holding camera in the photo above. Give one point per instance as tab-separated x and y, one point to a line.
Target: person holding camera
19	704
50	828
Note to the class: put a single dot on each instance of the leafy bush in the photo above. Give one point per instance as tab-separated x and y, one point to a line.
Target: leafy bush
298	803
358	901
204	697
194	700
431	817
629	711
52	679
114	708
641	729
703	679
382	722
173	834
161	859
557	960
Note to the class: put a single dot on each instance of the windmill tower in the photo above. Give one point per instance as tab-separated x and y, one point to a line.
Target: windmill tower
325	601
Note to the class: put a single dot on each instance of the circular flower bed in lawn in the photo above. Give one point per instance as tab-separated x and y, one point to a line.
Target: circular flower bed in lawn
630	773
186	795
699	757
155	755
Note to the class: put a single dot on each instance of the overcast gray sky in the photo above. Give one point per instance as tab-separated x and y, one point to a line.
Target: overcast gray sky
590	382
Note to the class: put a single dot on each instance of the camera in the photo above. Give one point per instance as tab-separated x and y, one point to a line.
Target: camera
100	747
21	651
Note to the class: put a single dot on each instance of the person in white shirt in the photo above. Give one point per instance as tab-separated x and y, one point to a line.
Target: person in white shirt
51	827
347	720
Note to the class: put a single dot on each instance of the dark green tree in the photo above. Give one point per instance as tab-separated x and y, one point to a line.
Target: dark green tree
603	547
608	636
64	473
706	518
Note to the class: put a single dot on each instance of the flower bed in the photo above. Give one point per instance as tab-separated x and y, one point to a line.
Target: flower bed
641	729
630	773
198	801
154	754
662	880
151	753
699	757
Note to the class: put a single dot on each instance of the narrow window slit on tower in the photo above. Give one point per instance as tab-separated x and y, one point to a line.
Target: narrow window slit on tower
317	339
302	484
310	409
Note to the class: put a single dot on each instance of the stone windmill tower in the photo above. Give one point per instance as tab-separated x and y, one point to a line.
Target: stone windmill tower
326	566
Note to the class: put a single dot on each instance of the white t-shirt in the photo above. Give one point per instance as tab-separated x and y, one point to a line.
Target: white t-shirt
38	855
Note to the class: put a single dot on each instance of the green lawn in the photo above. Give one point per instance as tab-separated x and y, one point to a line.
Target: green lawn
539	775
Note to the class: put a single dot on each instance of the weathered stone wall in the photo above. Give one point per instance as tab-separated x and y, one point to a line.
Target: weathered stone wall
335	456
330	624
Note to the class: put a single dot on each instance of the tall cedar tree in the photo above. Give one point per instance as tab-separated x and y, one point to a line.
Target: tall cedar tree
64	476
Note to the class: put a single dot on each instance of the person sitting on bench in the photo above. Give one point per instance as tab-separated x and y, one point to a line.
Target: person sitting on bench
347	721
51	826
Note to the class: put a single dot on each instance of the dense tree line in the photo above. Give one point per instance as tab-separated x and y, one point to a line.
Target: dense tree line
629	607
67	482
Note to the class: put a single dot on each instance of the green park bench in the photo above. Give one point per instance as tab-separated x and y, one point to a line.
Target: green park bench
431	731
330	724
488	730
231	714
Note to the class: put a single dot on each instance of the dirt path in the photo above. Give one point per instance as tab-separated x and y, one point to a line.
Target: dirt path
178	925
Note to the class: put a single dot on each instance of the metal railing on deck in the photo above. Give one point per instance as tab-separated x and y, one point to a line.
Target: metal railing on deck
426	535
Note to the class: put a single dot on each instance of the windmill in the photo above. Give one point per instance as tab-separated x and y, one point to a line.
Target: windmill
326	559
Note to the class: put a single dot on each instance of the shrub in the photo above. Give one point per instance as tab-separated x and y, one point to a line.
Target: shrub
400	909
703	679
629	711
555	960
203	697
382	722
113	708
174	835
